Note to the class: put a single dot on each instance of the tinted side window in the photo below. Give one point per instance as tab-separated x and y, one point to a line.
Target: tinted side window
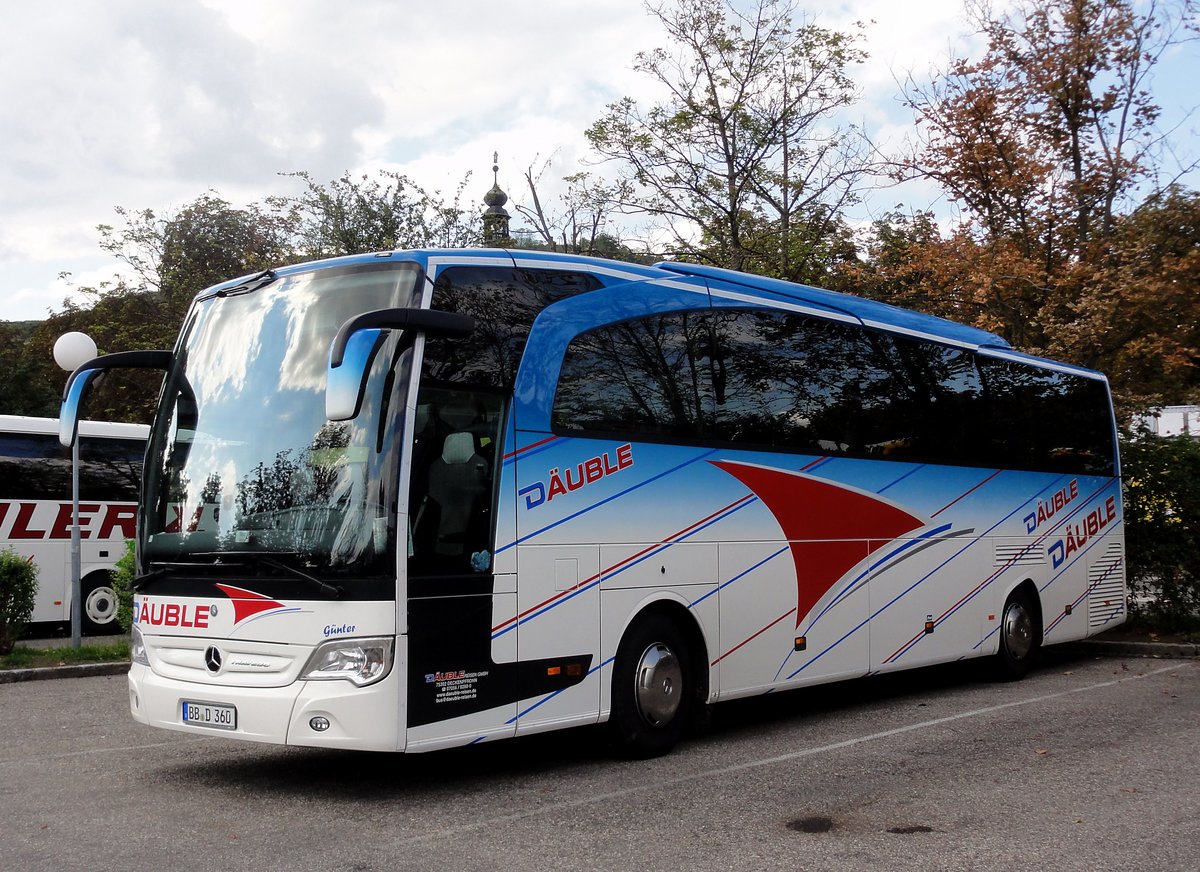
797	383
648	377
110	469
1046	419
36	467
936	400
503	301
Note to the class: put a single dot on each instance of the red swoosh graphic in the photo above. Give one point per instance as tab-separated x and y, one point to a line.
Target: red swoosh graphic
829	527
247	603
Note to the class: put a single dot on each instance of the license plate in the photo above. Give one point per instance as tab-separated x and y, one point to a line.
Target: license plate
209	714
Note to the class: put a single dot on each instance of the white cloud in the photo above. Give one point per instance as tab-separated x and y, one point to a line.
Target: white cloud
143	104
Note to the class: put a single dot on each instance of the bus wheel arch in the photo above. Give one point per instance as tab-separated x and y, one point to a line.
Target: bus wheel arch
659	680
98	603
1020	632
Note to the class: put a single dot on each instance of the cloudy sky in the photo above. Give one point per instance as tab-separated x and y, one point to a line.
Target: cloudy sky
150	103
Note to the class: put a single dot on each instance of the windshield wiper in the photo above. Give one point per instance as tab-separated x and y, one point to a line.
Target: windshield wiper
142	581
253	283
267	560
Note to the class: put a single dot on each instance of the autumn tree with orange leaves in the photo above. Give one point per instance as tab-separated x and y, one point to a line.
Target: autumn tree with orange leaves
1074	242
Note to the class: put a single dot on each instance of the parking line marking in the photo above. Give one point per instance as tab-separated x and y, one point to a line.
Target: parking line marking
560	806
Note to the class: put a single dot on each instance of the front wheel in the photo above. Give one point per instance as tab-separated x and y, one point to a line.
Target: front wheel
1019	638
652	693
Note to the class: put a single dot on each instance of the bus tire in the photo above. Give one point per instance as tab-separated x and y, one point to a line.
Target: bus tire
98	612
1020	640
652	693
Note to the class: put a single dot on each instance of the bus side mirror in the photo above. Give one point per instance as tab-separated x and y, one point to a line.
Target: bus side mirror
81	378
358	341
346	380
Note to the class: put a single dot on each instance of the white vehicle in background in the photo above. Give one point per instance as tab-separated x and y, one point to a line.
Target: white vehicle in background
35	510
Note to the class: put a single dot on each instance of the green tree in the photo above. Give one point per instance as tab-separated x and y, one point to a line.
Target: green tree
1162	510
26	386
388	211
742	164
168	260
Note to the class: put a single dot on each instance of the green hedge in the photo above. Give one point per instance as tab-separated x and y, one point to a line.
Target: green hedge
122	582
18	591
1162	536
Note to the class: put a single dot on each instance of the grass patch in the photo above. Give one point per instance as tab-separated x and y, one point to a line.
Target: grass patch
32	658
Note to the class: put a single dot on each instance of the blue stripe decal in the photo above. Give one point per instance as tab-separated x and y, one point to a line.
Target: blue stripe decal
916	468
738	576
1011	563
523	454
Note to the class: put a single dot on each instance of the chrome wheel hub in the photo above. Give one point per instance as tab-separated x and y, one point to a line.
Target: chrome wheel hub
1018	631
659	683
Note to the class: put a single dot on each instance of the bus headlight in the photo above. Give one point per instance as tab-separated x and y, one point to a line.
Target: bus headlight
137	648
362	661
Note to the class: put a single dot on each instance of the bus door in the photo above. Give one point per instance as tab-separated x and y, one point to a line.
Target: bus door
460	681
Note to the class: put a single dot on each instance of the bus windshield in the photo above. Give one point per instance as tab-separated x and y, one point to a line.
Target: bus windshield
243	467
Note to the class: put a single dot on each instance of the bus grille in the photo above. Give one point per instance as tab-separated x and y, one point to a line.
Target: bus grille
1106	586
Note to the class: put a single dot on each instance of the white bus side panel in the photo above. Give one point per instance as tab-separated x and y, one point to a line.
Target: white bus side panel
559	604
764	644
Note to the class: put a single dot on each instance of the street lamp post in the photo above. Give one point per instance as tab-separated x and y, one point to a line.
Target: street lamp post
71	351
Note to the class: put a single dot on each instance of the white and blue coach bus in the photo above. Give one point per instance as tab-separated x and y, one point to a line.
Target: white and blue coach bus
421	499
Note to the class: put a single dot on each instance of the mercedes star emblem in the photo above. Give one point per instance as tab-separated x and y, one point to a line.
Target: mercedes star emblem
212	658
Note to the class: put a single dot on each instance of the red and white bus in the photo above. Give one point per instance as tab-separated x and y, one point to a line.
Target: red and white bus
419	499
36	511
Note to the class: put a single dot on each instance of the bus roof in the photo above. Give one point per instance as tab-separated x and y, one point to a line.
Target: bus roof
722	282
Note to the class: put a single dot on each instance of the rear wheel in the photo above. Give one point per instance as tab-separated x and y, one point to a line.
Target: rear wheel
99	604
1020	639
652	693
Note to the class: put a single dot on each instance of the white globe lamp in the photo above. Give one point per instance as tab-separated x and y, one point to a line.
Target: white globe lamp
73	349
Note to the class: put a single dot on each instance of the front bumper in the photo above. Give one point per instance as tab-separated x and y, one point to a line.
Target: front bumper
360	718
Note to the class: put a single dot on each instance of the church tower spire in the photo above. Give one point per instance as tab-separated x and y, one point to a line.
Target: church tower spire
495	217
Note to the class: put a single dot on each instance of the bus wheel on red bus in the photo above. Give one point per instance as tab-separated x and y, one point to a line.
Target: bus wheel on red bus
99	612
652	694
1020	638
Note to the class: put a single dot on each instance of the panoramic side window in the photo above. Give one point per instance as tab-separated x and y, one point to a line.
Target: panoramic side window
1047	419
503	301
795	383
649	377
935	396
453	480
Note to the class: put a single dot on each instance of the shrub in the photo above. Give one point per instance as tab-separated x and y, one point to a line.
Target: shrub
1162	537
18	589
122	583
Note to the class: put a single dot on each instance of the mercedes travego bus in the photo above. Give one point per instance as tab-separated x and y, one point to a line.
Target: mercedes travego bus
420	499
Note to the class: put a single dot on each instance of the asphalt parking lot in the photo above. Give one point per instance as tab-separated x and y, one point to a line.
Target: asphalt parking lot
1088	764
